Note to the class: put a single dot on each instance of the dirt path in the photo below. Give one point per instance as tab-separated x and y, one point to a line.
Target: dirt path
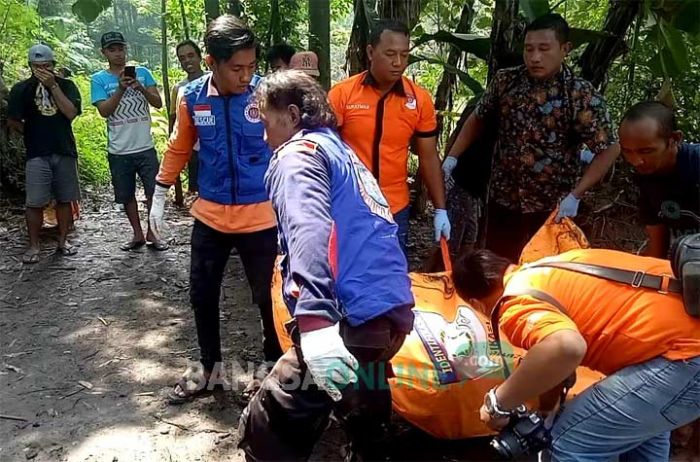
90	344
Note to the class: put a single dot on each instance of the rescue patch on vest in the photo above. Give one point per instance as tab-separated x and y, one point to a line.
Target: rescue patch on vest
203	116
410	102
252	113
369	190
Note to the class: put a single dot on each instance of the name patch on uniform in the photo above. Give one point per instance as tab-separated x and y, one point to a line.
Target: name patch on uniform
204	120
252	113
410	102
357	106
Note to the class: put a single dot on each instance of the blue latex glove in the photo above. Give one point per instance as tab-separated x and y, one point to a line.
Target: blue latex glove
448	165
568	207
442	224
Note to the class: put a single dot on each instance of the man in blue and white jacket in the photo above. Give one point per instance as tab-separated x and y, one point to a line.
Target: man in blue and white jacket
345	283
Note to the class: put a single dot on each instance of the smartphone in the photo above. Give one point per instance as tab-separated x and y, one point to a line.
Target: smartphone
130	71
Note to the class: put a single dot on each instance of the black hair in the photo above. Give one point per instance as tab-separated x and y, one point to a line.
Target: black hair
191	43
226	35
282	51
656	110
375	33
477	274
281	89
551	21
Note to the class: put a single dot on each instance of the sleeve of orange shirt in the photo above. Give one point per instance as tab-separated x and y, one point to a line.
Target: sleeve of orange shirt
335	99
427	119
527	321
179	148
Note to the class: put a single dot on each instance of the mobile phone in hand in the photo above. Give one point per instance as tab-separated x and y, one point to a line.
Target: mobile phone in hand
130	71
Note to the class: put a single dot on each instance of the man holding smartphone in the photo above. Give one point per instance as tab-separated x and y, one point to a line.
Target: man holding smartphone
122	95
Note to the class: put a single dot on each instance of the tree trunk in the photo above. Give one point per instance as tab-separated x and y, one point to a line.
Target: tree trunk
599	55
406	11
211	9
235	8
443	95
274	33
179	200
185	26
506	33
320	37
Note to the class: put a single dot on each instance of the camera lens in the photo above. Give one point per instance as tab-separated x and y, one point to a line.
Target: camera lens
507	446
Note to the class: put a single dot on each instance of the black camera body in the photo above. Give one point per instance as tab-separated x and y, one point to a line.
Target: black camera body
685	261
525	434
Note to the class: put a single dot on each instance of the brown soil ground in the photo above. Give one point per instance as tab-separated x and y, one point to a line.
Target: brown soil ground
90	344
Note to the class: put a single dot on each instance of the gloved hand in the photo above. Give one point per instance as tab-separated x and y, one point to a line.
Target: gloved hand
441	224
331	365
155	217
568	207
448	165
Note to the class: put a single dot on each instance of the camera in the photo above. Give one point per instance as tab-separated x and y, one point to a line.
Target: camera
525	434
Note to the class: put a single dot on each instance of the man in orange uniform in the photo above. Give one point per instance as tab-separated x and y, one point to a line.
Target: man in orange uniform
380	112
643	339
233	209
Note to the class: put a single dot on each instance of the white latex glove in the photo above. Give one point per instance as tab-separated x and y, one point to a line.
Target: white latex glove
155	217
568	207
331	365
441	224
448	165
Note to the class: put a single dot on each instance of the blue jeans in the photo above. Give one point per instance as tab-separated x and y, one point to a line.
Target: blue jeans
401	219
630	414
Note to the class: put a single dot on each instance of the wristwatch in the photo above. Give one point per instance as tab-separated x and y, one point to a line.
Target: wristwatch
492	408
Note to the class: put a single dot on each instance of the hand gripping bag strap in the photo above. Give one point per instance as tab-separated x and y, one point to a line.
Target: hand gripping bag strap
632	278
534	293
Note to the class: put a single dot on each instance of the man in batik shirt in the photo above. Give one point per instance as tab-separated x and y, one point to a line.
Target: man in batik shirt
544	114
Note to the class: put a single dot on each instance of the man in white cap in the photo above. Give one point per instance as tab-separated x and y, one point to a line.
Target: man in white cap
307	62
42	108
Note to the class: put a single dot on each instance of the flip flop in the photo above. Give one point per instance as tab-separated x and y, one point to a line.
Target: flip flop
189	387
158	245
67	250
132	245
31	256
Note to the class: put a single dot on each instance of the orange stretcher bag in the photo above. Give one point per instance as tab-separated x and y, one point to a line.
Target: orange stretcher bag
447	363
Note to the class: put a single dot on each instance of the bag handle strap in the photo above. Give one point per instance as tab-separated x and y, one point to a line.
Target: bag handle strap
444	248
495	312
662	284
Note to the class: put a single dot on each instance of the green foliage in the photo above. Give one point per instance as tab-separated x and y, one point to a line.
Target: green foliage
90	132
89	10
18	28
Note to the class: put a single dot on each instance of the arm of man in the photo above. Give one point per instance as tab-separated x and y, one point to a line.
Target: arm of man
337	103
68	102
593	126
555	349
179	150
659	238
106	105
301	193
15	109
429	169
470	132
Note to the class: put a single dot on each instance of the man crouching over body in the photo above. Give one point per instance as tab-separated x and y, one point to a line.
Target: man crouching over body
345	283
643	339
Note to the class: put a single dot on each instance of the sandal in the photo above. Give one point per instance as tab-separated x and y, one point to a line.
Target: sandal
191	385
67	250
31	256
158	245
132	245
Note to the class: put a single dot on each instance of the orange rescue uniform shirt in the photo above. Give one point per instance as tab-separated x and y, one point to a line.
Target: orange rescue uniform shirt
224	218
379	128
622	325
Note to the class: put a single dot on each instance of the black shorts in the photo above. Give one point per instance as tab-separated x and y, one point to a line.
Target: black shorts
125	167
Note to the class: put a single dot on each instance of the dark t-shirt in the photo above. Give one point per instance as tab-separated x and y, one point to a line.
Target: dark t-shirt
46	130
671	199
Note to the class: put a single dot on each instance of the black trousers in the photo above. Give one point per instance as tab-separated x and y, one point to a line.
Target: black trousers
289	413
507	231
210	253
